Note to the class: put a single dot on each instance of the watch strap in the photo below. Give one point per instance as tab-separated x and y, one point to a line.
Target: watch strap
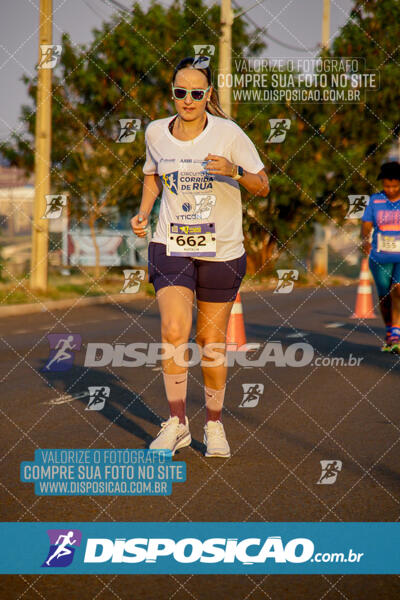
239	173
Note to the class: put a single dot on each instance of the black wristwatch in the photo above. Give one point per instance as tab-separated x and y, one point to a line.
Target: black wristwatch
239	173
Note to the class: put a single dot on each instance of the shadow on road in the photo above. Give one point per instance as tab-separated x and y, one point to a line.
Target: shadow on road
123	408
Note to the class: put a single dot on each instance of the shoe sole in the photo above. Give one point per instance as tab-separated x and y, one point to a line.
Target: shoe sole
215	455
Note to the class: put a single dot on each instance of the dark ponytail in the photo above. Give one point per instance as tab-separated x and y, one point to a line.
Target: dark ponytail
213	105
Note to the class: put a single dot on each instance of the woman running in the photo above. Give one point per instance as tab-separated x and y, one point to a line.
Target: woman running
382	215
197	159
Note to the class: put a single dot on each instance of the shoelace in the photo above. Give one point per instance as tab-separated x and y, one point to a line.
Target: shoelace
218	431
165	424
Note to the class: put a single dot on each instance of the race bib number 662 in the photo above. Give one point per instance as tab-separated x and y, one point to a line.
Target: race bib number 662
191	240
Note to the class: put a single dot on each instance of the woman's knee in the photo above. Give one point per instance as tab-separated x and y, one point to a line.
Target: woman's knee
210	338
174	331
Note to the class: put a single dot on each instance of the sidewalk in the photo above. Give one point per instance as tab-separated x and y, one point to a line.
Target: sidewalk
49	305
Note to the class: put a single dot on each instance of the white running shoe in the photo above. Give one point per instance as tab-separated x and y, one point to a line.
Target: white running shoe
172	436
215	440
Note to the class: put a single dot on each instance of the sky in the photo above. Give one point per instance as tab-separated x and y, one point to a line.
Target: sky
292	22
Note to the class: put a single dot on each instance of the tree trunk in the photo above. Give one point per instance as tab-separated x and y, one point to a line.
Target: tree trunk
260	261
267	252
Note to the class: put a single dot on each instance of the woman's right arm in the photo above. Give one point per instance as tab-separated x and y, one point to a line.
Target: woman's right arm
152	188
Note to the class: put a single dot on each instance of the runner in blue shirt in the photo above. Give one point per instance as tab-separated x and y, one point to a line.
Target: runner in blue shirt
382	216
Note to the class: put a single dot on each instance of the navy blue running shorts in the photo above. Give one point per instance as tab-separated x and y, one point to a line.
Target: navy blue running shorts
213	281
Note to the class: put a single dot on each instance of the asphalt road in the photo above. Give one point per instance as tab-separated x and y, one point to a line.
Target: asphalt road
306	414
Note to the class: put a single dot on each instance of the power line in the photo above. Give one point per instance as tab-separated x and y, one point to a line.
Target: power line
299	49
272	38
93	9
120	7
116	4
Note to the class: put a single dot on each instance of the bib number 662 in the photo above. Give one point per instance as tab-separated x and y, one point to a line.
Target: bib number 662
190	240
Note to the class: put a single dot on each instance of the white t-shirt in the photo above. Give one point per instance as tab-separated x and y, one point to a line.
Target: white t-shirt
190	195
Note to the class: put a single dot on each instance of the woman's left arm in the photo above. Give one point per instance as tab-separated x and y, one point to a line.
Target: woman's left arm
255	183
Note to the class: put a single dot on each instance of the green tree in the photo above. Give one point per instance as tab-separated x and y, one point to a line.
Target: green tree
125	72
358	137
330	151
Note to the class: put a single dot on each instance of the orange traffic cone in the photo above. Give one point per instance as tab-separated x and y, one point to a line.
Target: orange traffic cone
364	304
236	335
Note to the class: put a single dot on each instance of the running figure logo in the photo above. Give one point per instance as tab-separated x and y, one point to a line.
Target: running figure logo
54	205
170	180
98	397
62	351
279	129
50	53
62	547
128	130
330	470
251	394
203	52
133	279
357	205
286	279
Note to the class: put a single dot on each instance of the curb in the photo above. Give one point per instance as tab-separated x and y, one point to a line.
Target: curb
77	302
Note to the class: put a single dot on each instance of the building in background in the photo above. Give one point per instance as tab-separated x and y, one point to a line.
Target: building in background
70	242
16	202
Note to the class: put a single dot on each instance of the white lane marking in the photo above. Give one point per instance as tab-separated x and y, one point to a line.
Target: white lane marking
78	324
299	334
67	398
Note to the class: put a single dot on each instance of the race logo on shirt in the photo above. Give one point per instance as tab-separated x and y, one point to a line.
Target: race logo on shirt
200	209
187	181
170	181
195	181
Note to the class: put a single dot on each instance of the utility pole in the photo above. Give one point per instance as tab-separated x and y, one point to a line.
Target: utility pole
326	24
40	236
321	232
225	54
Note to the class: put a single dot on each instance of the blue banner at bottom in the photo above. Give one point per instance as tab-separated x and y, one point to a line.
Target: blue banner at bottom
194	548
